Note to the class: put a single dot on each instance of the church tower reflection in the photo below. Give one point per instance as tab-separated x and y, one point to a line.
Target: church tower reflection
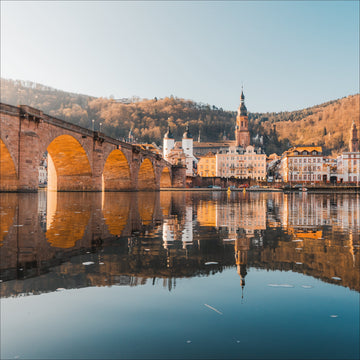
242	246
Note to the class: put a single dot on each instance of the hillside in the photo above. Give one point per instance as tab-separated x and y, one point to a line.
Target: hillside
327	124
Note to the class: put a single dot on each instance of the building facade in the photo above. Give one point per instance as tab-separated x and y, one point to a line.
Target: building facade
302	164
207	165
237	162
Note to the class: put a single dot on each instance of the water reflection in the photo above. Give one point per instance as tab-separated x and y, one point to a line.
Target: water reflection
72	240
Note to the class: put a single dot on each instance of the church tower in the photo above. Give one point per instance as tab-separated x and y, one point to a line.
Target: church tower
242	134
354	140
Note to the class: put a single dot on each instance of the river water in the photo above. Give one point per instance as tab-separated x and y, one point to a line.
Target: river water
179	275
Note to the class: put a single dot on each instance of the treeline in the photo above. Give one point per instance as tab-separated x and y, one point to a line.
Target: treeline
148	119
327	124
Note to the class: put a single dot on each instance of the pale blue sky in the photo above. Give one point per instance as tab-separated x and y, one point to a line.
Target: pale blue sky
288	54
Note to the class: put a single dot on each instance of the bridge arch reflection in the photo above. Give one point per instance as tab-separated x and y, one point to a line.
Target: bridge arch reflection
116	211
68	216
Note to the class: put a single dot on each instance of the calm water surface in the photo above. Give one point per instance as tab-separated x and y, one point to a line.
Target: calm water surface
177	275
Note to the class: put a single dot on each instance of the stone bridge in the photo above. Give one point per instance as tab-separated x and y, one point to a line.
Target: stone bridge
78	159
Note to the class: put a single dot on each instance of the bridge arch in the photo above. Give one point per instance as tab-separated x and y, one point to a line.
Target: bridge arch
165	178
8	174
116	174
68	165
146	176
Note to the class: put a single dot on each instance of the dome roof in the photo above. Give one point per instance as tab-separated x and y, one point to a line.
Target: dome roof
187	134
169	134
242	111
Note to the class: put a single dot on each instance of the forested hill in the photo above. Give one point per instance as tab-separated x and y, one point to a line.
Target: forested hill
327	124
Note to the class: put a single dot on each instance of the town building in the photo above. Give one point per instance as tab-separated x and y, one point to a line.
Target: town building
330	169
241	163
272	162
348	163
203	148
207	165
302	164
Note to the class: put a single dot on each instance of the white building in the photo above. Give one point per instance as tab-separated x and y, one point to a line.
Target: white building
330	169
348	167
302	164
176	152
241	163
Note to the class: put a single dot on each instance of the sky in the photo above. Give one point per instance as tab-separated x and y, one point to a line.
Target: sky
287	55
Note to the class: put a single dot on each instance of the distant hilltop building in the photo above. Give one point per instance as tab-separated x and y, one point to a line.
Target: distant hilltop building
180	152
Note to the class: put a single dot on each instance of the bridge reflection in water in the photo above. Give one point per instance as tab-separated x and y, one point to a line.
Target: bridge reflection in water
128	238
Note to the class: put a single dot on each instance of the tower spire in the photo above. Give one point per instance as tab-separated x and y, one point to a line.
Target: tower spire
242	134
